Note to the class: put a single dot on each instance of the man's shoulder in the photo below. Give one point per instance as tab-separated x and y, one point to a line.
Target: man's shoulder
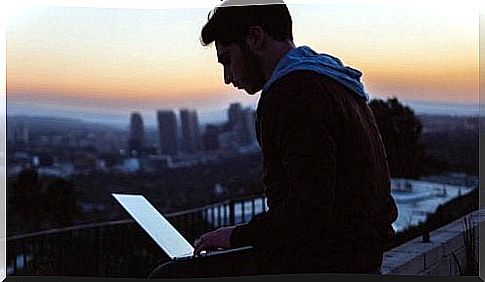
302	94
296	77
305	80
305	84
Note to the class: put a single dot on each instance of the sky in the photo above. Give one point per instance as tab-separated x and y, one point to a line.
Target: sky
102	64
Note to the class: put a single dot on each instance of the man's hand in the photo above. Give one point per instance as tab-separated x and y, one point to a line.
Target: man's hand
219	238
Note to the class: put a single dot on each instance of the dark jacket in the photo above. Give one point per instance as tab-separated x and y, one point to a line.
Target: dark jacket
326	179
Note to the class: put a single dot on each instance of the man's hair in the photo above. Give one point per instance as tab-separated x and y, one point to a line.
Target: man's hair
230	24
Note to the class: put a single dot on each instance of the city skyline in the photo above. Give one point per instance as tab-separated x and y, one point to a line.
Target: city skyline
122	120
177	135
103	64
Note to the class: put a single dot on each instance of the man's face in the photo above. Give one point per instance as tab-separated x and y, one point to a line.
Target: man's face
241	66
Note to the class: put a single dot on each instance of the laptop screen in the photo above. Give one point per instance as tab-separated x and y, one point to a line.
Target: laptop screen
164	234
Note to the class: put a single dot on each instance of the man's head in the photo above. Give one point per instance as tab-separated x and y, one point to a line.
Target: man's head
244	37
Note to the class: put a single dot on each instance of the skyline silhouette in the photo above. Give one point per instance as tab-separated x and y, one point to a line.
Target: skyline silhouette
102	63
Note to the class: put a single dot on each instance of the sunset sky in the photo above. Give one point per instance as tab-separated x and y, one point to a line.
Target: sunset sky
105	63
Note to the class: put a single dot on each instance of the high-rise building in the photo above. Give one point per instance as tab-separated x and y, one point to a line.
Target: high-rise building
249	116
137	134
234	113
190	131
167	128
210	138
11	123
18	131
234	125
241	123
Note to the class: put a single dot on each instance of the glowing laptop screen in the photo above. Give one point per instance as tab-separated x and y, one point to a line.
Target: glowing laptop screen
164	234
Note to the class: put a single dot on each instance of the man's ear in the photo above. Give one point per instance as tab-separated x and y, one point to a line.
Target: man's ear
256	38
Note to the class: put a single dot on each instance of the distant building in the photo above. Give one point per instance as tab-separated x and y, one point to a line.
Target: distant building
167	126
248	130
241	123
190	131
18	132
235	114
227	140
210	138
137	134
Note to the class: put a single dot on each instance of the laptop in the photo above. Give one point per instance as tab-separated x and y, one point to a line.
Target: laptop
159	229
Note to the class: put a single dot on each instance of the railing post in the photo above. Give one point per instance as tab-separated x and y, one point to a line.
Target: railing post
206	216
243	216
101	259
226	219
253	208
34	251
190	222
200	222
213	217
96	238
219	213
24	256
232	219
15	270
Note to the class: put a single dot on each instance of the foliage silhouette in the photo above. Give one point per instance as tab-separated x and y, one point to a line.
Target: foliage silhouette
400	131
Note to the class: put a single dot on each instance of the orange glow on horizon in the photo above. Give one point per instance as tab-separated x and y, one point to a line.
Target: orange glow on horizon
153	58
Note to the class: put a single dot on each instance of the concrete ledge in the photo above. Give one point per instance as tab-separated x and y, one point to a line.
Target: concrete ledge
436	257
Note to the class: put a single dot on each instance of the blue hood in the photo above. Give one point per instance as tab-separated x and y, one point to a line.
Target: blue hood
304	58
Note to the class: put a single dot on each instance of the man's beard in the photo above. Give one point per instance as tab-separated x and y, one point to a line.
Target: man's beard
253	71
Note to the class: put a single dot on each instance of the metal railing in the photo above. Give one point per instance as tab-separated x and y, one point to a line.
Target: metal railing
117	248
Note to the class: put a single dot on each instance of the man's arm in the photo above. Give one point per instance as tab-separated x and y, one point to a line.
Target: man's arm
302	119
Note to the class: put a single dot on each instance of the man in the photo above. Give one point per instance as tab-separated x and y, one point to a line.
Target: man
324	166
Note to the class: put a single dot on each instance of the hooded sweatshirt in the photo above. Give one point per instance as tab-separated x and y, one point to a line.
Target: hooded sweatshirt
324	170
304	58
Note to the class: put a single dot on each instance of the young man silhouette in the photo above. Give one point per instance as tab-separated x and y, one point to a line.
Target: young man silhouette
325	171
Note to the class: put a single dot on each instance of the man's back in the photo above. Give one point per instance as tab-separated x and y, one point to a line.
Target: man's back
326	177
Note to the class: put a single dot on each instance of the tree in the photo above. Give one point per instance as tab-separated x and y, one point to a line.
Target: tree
400	130
40	201
60	202
26	198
